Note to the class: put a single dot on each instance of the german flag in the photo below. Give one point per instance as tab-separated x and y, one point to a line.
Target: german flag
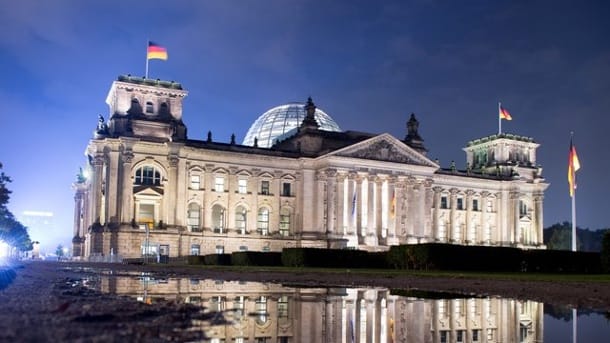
155	51
573	166
504	114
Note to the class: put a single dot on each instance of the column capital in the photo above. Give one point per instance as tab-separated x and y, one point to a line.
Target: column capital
127	157
331	172
173	160
437	189
98	160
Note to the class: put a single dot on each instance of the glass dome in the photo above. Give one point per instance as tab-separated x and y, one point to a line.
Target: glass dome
278	121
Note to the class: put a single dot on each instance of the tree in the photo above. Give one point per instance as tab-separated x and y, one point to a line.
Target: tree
11	230
605	254
59	251
4	192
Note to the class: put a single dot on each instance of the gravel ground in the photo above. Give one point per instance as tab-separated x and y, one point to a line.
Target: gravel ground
45	301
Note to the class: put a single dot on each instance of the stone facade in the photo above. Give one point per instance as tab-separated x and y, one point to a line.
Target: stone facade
148	188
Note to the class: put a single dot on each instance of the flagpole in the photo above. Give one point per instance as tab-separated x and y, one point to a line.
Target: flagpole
499	119
574	221
574	324
146	74
573	198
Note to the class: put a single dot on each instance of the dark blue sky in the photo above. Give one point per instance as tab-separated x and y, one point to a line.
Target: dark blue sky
368	64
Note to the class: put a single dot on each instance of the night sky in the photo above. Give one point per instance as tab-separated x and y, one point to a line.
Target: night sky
366	64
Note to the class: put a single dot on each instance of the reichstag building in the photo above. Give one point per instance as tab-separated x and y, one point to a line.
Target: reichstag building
296	180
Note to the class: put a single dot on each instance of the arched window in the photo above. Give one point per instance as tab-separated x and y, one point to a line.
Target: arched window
261	310
240	219
522	208
218	218
263	221
148	175
149	107
285	222
194	214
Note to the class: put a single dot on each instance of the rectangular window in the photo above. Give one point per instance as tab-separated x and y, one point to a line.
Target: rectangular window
284	224
219	184
282	307
459	336
286	189
490	334
146	213
522	208
444	202
195	249
475	204
194	299
220	249
195	182
443	338
265	187
475	335
460	203
242	186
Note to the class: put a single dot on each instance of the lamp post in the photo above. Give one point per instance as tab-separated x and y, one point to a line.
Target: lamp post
147	247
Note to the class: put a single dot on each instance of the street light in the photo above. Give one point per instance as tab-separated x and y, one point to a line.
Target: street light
147	247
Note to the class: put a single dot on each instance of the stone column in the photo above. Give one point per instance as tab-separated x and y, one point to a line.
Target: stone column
112	185
411	205
351	211
96	188
484	219
372	233
170	198
320	202
394	232
341	210
452	226
538	219
436	213
127	210
331	201
514	234
502	214
470	225
371	220
359	208
427	220
378	207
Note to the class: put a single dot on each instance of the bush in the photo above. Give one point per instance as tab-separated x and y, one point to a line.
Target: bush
332	258
256	258
217	260
194	259
561	261
454	257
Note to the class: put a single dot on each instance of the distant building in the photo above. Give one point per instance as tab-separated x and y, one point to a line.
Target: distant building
39	224
151	189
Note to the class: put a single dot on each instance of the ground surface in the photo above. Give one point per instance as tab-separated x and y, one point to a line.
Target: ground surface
45	301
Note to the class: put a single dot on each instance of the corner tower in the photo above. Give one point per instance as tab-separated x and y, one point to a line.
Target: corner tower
142	107
504	155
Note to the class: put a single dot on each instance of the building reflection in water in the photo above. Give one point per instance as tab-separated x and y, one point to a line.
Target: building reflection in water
266	312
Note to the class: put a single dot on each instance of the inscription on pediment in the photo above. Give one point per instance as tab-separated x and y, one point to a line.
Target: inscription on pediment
383	151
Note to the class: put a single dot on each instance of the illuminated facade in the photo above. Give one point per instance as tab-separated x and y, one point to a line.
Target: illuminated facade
257	312
150	189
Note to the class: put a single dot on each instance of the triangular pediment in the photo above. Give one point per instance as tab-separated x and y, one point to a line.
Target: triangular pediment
146	190
385	148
